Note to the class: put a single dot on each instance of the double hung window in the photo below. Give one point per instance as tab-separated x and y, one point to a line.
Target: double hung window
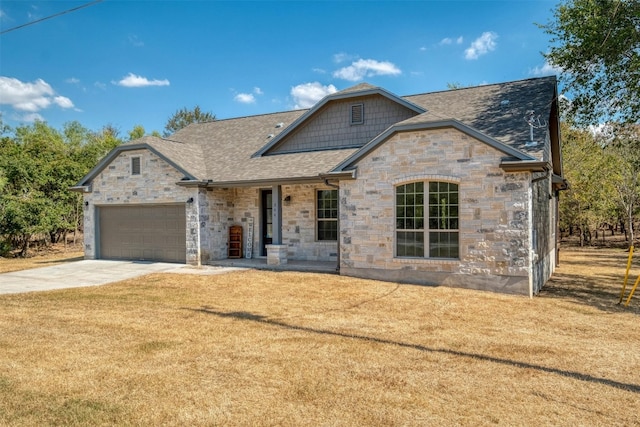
327	215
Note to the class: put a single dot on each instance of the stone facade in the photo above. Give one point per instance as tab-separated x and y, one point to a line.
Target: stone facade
494	213
506	228
156	184
226	207
499	249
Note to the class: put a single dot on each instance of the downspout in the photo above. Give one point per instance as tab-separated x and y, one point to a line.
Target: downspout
531	243
337	187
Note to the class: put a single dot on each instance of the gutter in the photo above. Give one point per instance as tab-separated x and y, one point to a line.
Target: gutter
250	183
81	188
509	165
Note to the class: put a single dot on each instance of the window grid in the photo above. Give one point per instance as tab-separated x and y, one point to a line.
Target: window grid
437	237
327	215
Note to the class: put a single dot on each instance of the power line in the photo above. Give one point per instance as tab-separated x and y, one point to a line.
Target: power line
51	16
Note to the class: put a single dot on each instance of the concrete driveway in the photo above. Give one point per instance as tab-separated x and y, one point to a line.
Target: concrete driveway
92	273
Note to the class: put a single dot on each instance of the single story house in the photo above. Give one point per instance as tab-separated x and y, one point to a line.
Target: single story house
456	188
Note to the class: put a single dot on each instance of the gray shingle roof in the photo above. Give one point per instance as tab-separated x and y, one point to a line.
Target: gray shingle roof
223	151
228	146
499	110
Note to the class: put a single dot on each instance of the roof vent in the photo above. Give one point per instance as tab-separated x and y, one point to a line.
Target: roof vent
279	125
357	114
504	102
270	136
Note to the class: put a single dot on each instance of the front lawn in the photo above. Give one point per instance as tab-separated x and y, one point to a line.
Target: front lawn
266	348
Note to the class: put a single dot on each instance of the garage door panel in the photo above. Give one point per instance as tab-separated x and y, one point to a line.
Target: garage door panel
150	232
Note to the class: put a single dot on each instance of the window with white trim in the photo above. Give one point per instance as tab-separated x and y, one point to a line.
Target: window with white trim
327	215
135	166
427	221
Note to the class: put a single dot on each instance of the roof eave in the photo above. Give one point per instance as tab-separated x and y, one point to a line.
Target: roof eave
253	182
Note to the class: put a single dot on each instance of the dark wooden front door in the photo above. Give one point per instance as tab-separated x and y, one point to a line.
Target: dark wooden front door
266	228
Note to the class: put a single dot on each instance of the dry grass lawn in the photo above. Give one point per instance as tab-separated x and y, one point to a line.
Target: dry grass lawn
291	349
56	255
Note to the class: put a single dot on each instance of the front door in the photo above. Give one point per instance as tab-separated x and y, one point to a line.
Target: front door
266	231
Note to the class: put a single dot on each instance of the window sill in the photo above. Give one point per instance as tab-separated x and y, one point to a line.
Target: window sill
426	260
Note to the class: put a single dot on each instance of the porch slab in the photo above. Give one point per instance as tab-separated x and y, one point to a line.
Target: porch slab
291	265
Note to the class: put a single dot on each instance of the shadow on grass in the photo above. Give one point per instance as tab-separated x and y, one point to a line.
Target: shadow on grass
61	261
251	317
595	287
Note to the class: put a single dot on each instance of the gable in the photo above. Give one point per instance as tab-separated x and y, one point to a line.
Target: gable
114	163
419	125
331	123
331	127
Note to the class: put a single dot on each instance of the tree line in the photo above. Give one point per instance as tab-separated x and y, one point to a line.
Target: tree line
38	166
602	167
595	45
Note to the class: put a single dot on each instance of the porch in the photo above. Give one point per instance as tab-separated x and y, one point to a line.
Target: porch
292	265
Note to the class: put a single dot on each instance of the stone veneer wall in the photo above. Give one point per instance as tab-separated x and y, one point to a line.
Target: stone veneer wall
494	213
299	225
226	207
156	184
544	212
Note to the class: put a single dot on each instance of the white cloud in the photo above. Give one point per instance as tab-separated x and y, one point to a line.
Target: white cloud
343	57
245	98
307	94
63	101
366	68
72	80
546	69
132	80
248	98
135	41
319	70
30	97
31	117
482	45
448	41
100	85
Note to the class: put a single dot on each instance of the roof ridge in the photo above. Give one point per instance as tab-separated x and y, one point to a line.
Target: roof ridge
480	86
251	116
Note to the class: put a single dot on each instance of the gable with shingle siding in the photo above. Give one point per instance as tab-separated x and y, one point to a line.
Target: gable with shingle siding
332	126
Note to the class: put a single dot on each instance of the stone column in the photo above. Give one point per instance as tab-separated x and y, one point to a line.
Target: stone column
277	254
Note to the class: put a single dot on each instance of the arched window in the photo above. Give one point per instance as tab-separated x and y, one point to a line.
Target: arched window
427	221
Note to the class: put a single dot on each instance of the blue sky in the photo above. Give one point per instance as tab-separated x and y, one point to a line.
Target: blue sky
127	63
